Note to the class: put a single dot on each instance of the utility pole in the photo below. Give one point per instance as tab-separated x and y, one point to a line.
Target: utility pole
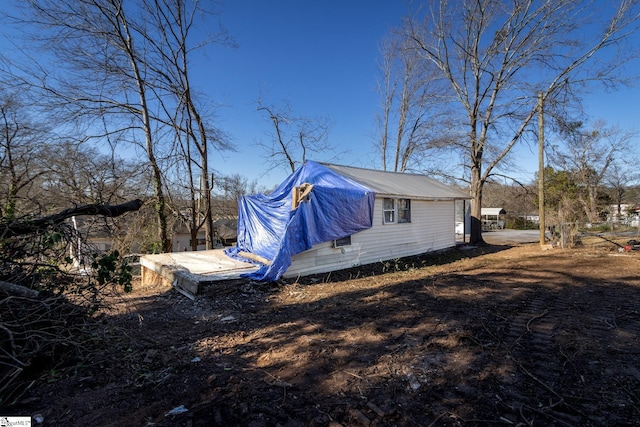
541	166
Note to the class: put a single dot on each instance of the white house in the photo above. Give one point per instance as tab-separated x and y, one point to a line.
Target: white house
399	215
412	214
323	218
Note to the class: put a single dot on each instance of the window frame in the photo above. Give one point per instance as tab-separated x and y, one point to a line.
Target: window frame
386	210
407	211
392	215
342	242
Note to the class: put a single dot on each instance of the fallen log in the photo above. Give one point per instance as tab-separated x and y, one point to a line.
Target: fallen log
24	227
17	290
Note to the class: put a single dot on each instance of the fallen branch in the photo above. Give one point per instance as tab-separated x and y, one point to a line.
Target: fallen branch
538	316
632	395
561	400
36	328
434	422
17	290
21	228
542	383
548	415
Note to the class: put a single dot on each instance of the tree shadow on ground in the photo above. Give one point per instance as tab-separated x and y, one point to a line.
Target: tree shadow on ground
540	340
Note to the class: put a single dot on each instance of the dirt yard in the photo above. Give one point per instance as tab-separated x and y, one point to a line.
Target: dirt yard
494	336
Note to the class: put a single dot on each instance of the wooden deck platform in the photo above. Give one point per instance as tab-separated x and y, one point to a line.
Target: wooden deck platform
188	271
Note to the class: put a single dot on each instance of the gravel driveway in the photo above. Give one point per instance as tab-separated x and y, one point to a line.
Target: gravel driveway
511	236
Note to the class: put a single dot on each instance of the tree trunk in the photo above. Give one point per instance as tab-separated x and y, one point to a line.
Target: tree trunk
476	207
160	205
160	208
206	184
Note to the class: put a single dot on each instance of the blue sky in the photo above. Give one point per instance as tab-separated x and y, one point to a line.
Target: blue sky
321	57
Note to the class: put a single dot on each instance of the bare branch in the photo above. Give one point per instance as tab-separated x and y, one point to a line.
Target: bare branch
20	228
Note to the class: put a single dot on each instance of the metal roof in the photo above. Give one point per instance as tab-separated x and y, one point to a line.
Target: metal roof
492	211
406	185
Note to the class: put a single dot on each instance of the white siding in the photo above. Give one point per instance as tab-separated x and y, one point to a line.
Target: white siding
432	228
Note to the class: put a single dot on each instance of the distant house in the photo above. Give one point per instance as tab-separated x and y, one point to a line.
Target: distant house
533	218
493	218
327	217
613	214
225	231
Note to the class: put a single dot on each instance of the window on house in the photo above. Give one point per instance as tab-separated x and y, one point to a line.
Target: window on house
345	241
396	210
389	211
404	210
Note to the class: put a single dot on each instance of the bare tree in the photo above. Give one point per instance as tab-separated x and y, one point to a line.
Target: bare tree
589	154
515	198
25	174
174	22
412	119
294	137
619	181
22	159
499	56
81	174
230	189
123	74
105	75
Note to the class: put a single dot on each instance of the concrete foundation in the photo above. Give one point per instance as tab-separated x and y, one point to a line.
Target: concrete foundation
188	271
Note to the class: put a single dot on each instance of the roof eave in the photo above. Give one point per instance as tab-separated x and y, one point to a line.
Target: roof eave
425	198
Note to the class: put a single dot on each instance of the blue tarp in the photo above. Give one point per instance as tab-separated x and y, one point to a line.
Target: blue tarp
337	207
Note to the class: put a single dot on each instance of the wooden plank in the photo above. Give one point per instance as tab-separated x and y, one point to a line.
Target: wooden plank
254	257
